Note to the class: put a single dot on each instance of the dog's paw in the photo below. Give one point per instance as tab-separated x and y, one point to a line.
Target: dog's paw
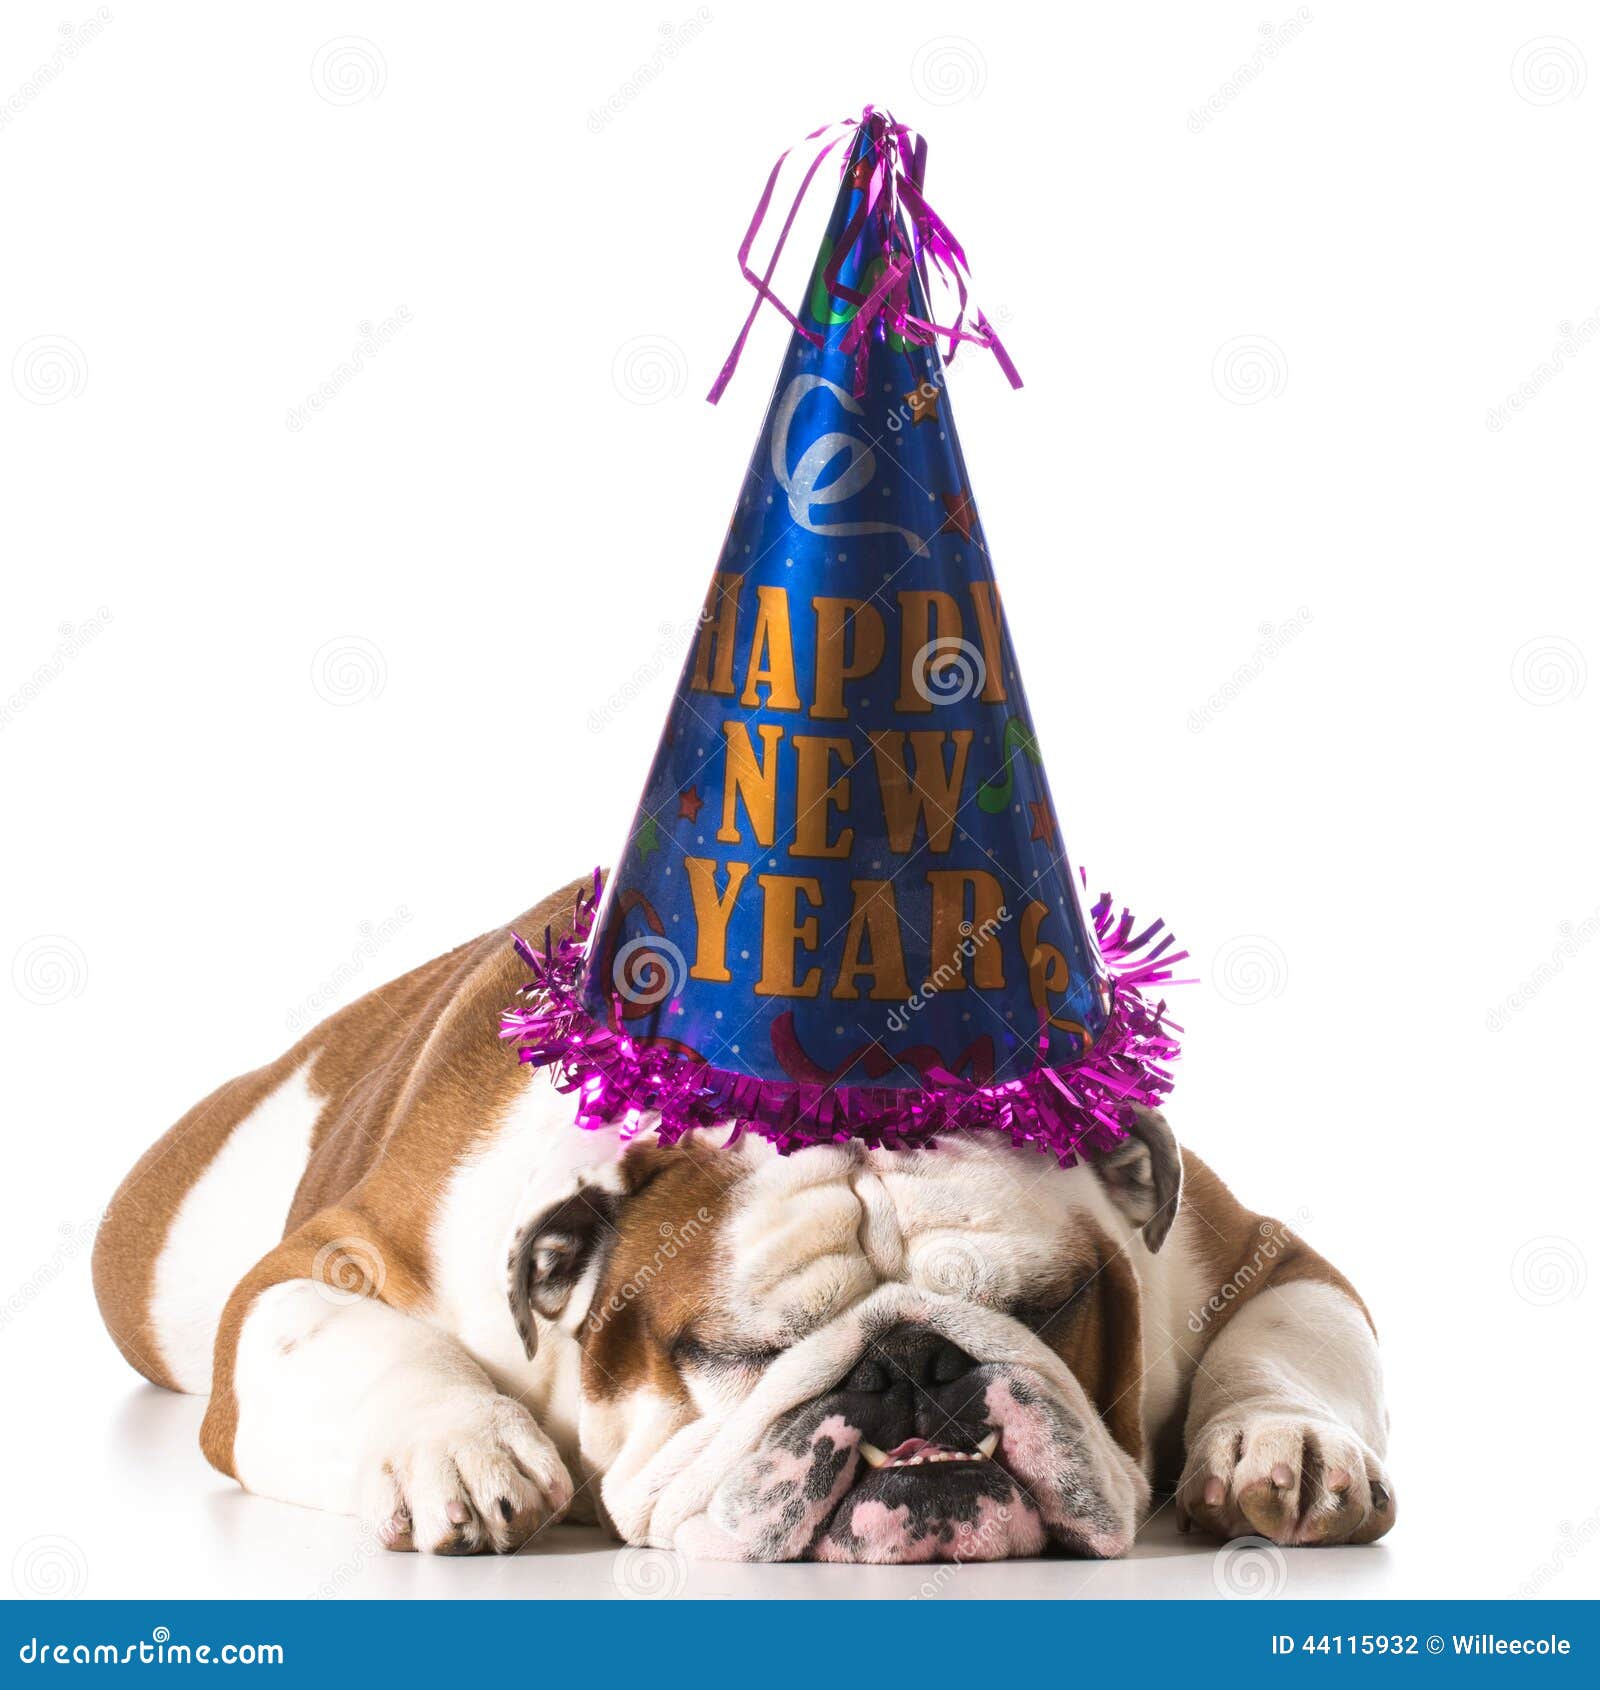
1287	1477
475	1474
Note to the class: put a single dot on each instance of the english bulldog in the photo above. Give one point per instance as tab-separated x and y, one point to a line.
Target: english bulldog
415	1292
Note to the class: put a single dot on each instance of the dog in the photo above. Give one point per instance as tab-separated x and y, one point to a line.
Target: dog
416	1293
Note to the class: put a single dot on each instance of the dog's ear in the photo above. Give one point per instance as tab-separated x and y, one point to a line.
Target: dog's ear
553	1251
1103	1345
1144	1176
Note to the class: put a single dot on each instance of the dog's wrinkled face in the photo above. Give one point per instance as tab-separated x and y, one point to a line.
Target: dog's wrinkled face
856	1355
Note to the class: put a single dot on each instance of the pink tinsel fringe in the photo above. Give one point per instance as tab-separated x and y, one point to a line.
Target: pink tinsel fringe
1059	1110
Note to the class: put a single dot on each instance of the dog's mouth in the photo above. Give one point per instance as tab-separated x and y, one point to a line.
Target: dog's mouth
1028	1478
924	1452
926	1500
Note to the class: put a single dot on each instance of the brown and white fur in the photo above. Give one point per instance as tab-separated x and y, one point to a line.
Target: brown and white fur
416	1293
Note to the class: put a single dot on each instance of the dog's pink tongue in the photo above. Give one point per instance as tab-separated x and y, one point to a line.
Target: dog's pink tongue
911	1446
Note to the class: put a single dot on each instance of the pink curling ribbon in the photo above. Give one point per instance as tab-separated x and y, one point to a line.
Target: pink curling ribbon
899	160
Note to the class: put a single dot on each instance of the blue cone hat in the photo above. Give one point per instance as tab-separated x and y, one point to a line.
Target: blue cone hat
844	907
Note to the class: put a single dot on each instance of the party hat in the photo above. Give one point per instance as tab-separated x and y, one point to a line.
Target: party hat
844	907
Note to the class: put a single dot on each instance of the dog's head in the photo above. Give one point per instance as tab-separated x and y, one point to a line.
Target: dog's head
858	1355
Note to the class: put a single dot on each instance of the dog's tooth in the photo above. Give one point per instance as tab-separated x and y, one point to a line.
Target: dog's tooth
989	1445
871	1454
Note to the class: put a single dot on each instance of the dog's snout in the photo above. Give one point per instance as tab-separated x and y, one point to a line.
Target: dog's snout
908	1355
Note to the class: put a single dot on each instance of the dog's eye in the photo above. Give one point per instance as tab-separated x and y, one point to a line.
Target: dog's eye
1051	1313
688	1351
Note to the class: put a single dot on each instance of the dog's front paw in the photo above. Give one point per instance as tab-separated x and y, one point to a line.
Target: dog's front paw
1288	1477
473	1474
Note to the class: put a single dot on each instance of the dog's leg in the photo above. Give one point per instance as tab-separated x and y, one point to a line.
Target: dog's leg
328	1393
1286	1427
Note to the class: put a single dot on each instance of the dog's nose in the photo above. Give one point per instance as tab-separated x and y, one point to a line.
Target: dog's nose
908	1355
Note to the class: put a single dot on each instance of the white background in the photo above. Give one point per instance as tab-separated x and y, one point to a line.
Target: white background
287	710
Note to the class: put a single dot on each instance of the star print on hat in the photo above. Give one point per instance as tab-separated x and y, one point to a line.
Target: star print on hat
844	907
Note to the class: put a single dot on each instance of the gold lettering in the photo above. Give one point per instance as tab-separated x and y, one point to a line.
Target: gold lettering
771	654
713	651
781	930
986	602
816	794
755	782
1048	973
839	621
955	936
874	917
933	792
712	914
916	609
